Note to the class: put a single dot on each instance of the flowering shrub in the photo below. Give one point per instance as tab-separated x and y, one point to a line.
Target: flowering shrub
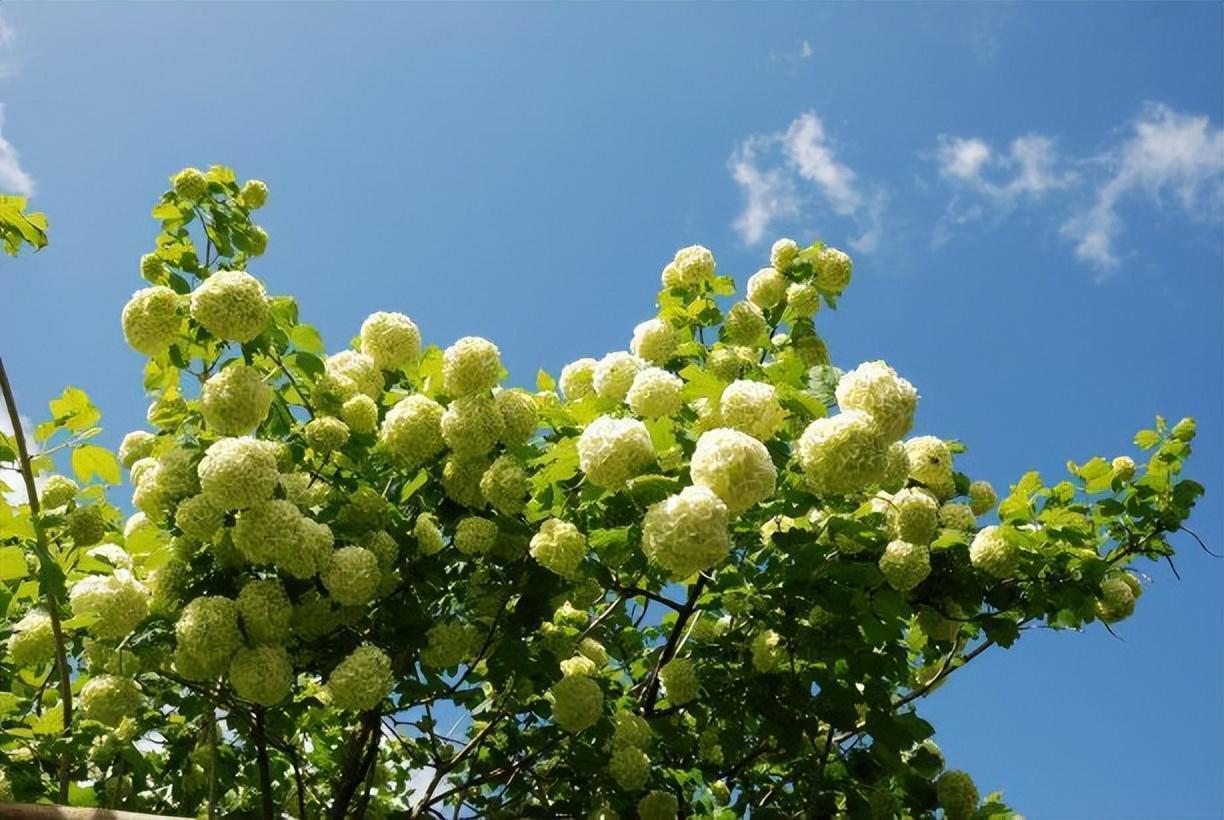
708	572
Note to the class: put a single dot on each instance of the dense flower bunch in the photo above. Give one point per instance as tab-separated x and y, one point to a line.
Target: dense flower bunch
689	577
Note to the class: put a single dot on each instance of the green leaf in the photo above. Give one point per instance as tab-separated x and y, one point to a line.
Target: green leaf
1147	439
74	410
545	381
91	460
307	338
13	564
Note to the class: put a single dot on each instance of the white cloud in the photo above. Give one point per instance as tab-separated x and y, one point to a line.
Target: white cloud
13	178
1029	168
1167	155
8	39
792	60
784	175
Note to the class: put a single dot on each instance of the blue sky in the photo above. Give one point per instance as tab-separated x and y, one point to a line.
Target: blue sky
1033	194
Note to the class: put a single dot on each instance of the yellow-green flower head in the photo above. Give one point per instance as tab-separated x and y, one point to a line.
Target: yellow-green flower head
753	408
957	517
109	699
428	534
475	535
325	434
629	766
745	324
833	270
351	575
190	184
690	267
167	583
177	473
931	464
993	554
905	565
679	678
360	413
812	350
314	616
1117	598
331	391
982	497
238	472
654	341
208	635
958	796
357	367
472	425
783	253
141	535
152	268
265	611
258	239
1184	430
505	485
579	665
914	516
611	451
686	533
33	640
304	489
1123	467
149	495
112	554
630	730
803	299
577	703
708	627
767	651
448	644
261	675
57	492
877	390
384	546
235	401
362	680
559	547
519	413
391	340
614	375
725	363
412	431
896	468
655	394
151	320
657	805
268	530
254	194
118	602
461	480
314	547
569	615
199	517
231	305
767	288
937	627
136	445
735	466
471	365
593	650
578	379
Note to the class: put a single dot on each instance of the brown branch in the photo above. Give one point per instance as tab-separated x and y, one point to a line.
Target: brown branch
265	773
651	692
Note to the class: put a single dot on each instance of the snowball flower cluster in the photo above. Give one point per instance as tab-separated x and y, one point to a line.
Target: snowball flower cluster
190	184
199	517
136	445
358	369
958	796
231	305
931	464
351	575
842	454
745	324
505	485
85	526
629	766
519	415
914	515
654	341
1119	594
109	699
766	288
679	679
559	547
630	730
238	472
982	497
208	635
735	466
877	390
361	680
905	565
957	517
472	425
266	532
235	401
802	298
655	394
461	480
475	535
767	651
686	533
578	379
118	602
614	375
265	611
32	642
391	340
254	194
690	267
751	407
150	320
783	253
993	554
360	413
833	270
611	451
412	431
325	434
470	365
262	674
577	703
57	492
1123	467
657	805
448	644
428	534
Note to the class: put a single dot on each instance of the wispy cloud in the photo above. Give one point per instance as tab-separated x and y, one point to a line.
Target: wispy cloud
1174	159
788	176
794	58
8	40
13	178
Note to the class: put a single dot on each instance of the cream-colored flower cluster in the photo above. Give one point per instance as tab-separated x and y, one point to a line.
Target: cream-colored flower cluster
611	451
361	680
559	547
686	533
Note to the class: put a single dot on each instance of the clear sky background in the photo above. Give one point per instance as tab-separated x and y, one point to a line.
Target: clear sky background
1033	194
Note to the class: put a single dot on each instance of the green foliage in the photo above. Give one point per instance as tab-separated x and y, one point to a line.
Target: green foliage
19	228
337	591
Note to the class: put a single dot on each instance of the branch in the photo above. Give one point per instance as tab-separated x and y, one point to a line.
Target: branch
265	774
651	692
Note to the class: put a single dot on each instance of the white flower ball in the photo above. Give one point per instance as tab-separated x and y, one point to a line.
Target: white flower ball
57	491
231	305
261	675
735	466
472	425
151	320
745	324
265	611
654	340
190	184
351	576
877	390
358	368
118	602
993	554
199	517
1123	467
842	454
611	451
391	340
208	635
32	642
767	288
504	485
470	365
254	194
448	644
577	703
690	267
957	517
629	729
559	547
629	766
833	270
783	253
753	408
238	472
412	431
360	681
767	651
461	480
679	678
360	413
519	414
803	299
614	375
982	497
235	401
896	468
136	445
686	533
109	699
268	531
658	805
931	464
914	516
578	379
428	534
905	565
655	394
475	535
325	434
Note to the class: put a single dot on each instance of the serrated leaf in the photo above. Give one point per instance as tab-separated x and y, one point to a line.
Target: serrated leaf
90	460
13	564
